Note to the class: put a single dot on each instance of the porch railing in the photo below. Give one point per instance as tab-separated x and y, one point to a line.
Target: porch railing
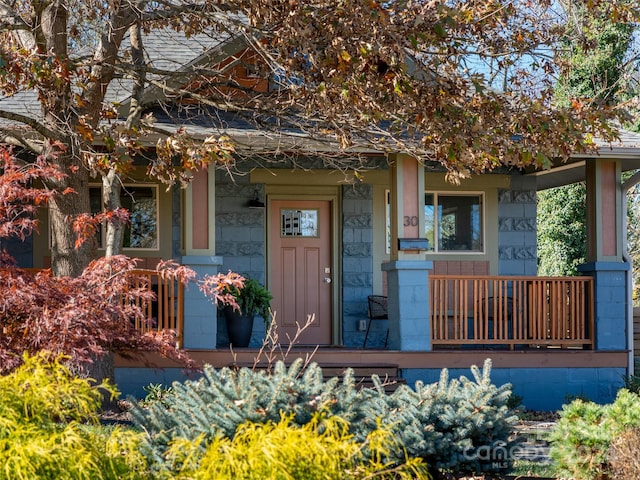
512	311
167	311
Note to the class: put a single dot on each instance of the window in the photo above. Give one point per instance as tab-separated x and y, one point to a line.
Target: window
299	223
142	203
454	222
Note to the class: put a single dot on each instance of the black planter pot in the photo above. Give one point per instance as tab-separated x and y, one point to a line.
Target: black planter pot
239	327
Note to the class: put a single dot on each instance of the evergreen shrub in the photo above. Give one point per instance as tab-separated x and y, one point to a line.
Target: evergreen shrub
582	439
632	382
459	424
44	416
320	449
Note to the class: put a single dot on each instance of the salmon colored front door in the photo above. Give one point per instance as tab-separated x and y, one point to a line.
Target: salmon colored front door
300	273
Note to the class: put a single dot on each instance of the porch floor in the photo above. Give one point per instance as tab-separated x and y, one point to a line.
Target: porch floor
453	359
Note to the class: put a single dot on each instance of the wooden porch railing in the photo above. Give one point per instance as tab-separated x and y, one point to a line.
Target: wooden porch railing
167	311
164	313
513	311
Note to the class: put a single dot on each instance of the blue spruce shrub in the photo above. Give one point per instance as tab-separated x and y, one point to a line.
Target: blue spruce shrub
459	424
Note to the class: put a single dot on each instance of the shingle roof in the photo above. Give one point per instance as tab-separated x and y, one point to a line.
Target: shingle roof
164	50
628	140
168	50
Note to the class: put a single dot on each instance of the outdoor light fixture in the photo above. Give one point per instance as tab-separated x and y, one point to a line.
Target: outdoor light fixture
255	201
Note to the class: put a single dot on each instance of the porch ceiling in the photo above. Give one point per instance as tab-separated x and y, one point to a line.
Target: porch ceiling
573	171
626	149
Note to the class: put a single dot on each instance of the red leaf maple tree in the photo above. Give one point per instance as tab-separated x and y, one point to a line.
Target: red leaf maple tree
83	317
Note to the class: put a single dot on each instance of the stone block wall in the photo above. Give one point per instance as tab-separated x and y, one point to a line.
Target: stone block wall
517	244
610	302
357	266
240	239
543	389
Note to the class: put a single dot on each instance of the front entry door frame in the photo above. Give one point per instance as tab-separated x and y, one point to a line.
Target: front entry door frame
329	194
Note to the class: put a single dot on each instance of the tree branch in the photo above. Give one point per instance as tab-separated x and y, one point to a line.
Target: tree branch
10	20
139	76
30	122
14	140
105	58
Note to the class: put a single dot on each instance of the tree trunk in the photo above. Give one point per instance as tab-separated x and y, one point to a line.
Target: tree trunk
61	117
66	259
111	182
111	201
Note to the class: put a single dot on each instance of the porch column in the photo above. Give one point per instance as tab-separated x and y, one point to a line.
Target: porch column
408	270
604	208
604	253
408	304
200	322
610	302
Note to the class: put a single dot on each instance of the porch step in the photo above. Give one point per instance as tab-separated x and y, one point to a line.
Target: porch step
388	373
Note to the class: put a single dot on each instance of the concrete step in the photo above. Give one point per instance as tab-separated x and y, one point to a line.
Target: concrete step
388	373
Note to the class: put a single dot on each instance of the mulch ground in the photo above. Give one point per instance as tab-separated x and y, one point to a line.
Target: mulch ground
116	414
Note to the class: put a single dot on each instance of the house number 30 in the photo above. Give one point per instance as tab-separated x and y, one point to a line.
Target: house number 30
411	221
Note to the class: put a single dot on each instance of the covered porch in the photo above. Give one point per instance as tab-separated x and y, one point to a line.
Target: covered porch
549	337
465	311
538	333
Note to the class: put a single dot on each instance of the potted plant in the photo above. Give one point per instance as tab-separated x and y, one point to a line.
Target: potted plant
252	299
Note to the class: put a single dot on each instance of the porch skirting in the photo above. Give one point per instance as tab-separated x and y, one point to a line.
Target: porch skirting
545	379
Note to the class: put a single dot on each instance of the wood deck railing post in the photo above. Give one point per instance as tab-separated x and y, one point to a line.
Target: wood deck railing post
167	311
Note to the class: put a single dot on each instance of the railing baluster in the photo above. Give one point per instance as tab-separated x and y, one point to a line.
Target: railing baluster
169	304
512	311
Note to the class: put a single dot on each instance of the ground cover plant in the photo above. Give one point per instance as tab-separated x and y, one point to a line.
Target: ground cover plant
589	439
49	429
44	415
298	428
447	424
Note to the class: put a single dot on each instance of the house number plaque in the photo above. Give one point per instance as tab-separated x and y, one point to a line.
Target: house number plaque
411	221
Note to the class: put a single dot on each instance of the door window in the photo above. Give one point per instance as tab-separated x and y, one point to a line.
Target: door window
299	223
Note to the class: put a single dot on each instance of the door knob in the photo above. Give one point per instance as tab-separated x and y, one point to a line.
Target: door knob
327	280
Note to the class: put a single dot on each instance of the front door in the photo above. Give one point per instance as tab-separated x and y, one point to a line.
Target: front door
300	273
